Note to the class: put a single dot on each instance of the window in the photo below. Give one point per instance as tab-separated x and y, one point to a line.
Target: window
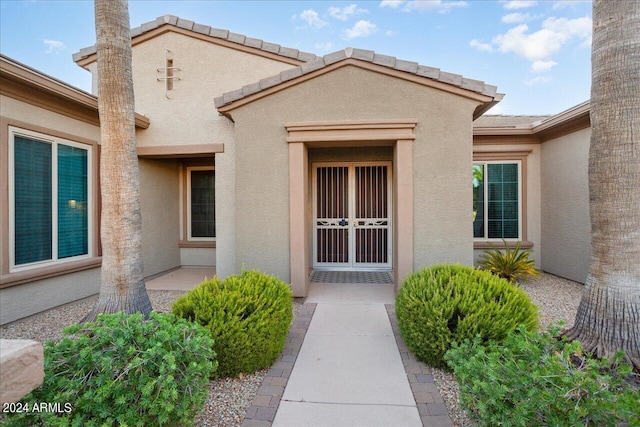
496	200
201	203
49	199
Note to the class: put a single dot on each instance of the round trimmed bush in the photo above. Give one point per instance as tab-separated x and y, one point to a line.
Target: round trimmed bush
248	317
124	370
449	303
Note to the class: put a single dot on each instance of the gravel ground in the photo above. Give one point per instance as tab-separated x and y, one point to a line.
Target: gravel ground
557	300
228	399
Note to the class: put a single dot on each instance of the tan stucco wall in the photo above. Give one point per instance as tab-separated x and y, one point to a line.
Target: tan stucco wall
442	158
532	203
566	226
159	205
18	110
207	70
198	257
24	300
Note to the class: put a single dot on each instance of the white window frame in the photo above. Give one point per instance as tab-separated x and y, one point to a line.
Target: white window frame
486	200
189	237
54	142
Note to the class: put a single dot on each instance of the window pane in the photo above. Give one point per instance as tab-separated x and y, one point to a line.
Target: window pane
32	181
478	200
203	205
73	219
502	211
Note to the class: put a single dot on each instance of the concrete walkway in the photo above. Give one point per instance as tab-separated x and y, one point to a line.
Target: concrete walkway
349	371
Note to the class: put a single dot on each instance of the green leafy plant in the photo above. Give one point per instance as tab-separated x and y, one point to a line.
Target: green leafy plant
512	264
534	379
124	370
450	303
248	317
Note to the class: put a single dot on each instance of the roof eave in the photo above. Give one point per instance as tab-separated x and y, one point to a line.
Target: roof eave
485	94
30	77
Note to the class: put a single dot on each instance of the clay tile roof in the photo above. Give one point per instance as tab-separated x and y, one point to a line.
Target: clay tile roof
362	55
208	31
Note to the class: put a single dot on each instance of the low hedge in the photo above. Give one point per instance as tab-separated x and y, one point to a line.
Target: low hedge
536	379
444	304
248	317
123	370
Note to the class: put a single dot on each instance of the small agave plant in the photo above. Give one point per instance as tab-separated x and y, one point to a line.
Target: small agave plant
511	264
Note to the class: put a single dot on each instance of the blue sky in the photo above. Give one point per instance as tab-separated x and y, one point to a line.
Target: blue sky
536	52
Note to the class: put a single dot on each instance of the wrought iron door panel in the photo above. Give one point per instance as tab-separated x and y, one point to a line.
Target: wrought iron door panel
332	212
352	216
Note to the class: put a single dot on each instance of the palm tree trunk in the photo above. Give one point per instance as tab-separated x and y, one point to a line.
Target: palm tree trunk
608	317
122	288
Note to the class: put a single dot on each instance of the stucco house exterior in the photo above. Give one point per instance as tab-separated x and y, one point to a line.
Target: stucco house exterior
253	155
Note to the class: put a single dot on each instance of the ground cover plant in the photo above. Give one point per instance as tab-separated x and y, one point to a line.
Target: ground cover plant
511	264
444	304
248	317
124	370
534	379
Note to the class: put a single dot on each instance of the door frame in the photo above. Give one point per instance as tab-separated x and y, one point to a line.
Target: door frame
397	133
352	264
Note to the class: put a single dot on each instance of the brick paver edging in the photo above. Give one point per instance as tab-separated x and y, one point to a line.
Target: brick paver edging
265	404
433	412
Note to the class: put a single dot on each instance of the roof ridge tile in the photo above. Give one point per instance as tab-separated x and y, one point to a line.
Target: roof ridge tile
209	31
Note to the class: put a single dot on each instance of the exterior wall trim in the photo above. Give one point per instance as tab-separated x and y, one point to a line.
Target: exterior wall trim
180	151
400	134
27	85
84	62
424	81
13	279
369	130
28	275
520	156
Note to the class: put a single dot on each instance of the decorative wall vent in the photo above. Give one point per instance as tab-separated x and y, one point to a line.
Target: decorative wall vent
168	72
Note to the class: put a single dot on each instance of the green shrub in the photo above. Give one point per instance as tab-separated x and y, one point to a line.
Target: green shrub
124	371
536	379
248	317
449	303
512	264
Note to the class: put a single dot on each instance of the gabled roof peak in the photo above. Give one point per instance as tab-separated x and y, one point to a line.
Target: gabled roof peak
391	62
206	30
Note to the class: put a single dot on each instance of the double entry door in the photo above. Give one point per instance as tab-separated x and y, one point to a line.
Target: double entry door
352	216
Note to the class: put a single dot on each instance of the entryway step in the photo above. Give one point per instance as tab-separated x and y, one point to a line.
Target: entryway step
364	277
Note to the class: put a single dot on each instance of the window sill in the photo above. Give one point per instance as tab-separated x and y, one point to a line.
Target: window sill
498	244
196	244
19	278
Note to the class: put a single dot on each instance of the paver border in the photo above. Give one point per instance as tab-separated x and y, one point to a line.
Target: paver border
433	412
262	410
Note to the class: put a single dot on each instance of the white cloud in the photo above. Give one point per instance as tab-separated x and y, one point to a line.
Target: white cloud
537	80
394	4
516	18
326	46
361	28
54	46
440	6
433	5
519	4
540	45
344	13
484	47
390	33
541	66
312	18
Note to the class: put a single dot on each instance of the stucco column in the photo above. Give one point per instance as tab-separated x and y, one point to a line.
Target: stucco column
298	184
403	166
